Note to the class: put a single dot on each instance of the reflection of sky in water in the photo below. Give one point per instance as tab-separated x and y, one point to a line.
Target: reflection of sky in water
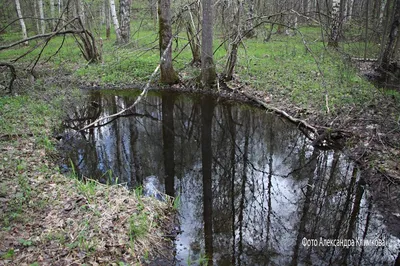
266	223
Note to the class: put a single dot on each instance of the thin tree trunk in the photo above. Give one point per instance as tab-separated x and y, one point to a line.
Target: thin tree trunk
81	11
125	16
21	21
192	29
389	51
115	21
168	133
108	18
41	14
207	110
208	75
53	22
250	33
36	15
168	74
336	25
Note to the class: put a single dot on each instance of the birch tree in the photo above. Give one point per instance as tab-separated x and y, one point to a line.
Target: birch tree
168	74
115	21
125	16
208	74
81	11
53	22
21	21
41	15
336	24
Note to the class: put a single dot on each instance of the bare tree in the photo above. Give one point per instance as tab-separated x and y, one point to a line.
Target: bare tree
125	16
21	21
115	21
168	74
208	75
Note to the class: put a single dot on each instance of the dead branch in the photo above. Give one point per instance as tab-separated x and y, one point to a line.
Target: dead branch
13	74
39	36
300	123
139	98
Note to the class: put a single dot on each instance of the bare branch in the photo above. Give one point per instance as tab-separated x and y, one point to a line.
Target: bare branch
139	98
41	36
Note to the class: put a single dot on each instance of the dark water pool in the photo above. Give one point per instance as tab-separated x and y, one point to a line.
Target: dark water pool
252	189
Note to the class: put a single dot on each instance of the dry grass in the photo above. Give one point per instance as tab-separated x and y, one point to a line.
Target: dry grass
47	218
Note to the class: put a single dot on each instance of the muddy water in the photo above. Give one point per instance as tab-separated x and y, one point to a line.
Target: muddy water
252	189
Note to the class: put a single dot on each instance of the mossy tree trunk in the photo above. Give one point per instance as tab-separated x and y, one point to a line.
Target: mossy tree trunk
168	74
208	75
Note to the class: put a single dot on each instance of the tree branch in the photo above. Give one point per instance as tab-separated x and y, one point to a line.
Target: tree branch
139	98
13	74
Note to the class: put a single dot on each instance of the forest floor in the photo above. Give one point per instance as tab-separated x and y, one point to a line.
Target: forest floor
48	218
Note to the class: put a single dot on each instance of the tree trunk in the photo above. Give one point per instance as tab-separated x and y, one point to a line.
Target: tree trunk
207	110
108	19
208	75
53	22
81	11
336	24
168	74
192	30
250	33
168	133
21	21
36	15
125	16
389	48
234	44
115	21
41	15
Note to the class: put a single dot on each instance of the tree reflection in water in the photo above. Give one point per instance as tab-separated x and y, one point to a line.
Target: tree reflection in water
251	186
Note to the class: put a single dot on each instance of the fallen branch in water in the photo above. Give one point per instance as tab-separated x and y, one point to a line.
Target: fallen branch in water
301	123
321	137
139	98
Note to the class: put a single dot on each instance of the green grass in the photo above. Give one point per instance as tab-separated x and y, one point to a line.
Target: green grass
283	67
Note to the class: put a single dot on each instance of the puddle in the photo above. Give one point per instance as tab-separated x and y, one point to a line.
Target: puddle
251	188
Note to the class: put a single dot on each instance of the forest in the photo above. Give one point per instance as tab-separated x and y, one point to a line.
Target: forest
159	132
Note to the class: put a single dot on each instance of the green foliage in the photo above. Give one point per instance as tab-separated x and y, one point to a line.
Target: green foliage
26	243
9	254
138	226
177	202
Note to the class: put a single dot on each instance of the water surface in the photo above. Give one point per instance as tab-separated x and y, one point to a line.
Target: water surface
252	189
